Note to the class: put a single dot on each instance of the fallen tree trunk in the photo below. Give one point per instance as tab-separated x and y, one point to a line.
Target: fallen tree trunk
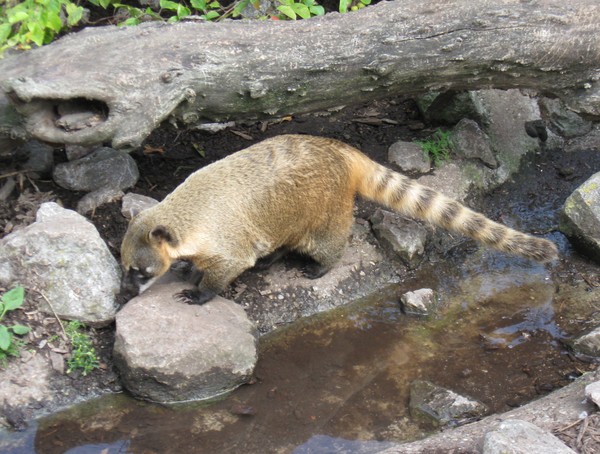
116	85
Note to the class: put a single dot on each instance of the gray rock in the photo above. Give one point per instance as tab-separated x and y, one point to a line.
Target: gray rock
450	107
514	436
590	141
75	152
472	143
505	113
95	199
419	302
403	236
40	157
451	180
588	344
409	157
580	219
134	203
566	122
439	406
103	168
62	256
169	351
592	392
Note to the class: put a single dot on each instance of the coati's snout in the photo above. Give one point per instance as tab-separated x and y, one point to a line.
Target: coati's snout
144	256
135	282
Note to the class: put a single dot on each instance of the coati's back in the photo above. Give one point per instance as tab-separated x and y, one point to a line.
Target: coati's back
293	192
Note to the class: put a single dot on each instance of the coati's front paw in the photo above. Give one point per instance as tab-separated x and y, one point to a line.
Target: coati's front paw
195	296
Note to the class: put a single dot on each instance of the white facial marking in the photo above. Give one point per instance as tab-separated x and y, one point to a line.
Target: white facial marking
143	287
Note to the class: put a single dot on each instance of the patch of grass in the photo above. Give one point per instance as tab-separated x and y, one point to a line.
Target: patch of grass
9	345
438	147
83	355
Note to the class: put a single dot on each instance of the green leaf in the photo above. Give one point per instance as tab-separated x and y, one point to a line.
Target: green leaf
211	15
130	21
105	3
168	4
183	11
214	5
5	30
317	10
199	4
36	33
239	7
13	299
301	10
20	329
74	14
343	6
53	22
288	11
18	16
5	338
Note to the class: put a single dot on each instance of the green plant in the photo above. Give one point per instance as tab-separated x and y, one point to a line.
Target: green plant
437	147
352	5
27	22
304	8
9	346
83	356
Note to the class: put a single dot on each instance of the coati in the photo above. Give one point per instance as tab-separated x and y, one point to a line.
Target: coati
290	192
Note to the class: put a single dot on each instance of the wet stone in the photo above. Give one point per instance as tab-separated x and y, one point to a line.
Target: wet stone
522	437
580	219
400	235
592	392
588	344
438	406
169	351
419	302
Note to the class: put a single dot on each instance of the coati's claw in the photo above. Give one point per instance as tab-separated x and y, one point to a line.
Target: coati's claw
194	296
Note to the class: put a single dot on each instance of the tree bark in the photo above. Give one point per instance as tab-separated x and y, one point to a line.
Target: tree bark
116	85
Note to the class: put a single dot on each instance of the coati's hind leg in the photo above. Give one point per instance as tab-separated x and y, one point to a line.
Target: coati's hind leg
264	263
326	251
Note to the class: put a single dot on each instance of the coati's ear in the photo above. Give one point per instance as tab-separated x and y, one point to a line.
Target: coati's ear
160	233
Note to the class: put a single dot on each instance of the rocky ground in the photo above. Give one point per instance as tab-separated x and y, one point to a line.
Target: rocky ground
167	157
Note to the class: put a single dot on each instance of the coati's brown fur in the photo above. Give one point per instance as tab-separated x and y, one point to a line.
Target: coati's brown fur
291	192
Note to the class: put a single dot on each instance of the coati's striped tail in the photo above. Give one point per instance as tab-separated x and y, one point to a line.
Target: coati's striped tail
408	197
